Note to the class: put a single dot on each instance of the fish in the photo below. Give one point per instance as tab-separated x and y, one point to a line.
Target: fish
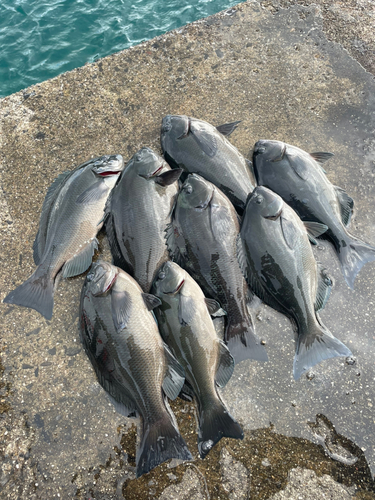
277	260
202	239
186	326
300	179
137	214
71	217
199	147
131	361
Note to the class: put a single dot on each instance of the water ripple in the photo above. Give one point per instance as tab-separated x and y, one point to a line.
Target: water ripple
41	39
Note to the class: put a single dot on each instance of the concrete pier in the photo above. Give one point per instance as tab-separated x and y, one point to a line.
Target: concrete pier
276	71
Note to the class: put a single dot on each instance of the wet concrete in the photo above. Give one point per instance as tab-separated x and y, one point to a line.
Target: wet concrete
278	73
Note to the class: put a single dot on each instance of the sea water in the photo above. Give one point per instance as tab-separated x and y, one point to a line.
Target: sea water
40	39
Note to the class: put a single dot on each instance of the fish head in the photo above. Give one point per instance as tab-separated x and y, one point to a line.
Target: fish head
195	193
148	164
265	203
169	280
108	165
101	277
174	127
268	153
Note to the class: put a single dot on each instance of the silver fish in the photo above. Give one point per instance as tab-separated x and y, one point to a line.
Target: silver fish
276	258
202	239
198	147
131	361
137	214
187	328
299	178
72	215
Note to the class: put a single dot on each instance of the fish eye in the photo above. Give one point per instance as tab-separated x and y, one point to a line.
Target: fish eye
161	275
188	188
261	149
90	277
259	199
138	157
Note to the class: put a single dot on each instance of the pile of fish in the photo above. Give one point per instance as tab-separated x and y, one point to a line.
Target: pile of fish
192	241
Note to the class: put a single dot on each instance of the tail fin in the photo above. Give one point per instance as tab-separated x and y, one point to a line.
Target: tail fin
36	292
353	256
243	343
160	441
314	347
215	422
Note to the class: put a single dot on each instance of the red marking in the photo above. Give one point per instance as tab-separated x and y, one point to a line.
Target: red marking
109	172
100	341
156	171
180	285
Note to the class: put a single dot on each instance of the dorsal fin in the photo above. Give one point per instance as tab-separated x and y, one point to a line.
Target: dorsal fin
40	239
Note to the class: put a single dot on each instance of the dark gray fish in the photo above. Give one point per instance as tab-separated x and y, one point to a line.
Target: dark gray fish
137	215
300	180
131	361
187	328
276	258
198	147
202	239
72	215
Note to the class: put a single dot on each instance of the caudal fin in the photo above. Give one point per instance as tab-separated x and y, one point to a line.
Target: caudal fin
353	256
215	422
36	292
243	343
160	441
314	347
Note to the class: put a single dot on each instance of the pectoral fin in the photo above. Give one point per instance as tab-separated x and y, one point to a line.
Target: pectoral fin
205	140
289	232
121	308
94	193
186	309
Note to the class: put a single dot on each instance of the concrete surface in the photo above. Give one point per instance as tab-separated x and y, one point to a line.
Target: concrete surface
276	70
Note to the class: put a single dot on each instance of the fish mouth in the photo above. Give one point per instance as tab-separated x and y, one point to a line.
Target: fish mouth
274	217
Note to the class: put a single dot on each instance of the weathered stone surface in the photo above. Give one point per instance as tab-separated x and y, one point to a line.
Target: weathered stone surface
235	477
280	75
304	484
190	487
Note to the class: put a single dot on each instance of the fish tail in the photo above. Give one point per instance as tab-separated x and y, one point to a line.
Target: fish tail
243	343
315	346
215	422
353	256
160	441
36	293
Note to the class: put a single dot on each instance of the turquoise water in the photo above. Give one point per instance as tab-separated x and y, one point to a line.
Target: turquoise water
41	39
